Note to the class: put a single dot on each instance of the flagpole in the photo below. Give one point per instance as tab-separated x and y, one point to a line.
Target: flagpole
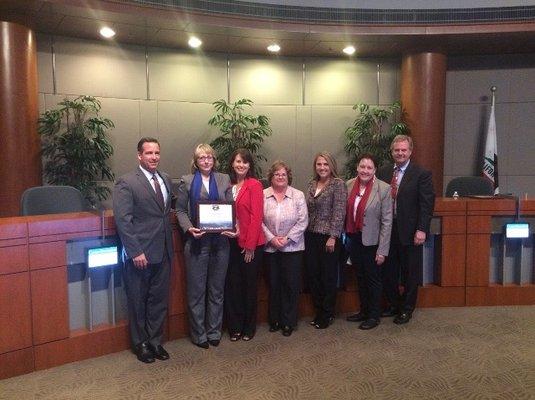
490	159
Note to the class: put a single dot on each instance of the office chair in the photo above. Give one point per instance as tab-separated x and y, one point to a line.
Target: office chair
40	200
470	186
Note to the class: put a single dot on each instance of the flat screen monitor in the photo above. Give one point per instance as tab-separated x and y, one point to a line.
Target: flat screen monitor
103	256
517	230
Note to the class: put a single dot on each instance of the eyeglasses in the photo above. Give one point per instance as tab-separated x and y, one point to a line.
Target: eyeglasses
205	158
280	175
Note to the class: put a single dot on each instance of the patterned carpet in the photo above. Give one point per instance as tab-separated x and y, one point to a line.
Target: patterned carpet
443	353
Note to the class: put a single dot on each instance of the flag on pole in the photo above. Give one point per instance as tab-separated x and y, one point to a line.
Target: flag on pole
490	161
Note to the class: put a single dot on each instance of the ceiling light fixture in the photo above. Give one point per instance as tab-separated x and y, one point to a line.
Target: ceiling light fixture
107	32
274	48
349	50
194	42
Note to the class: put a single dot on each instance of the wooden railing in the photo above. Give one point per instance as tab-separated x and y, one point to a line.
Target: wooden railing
34	304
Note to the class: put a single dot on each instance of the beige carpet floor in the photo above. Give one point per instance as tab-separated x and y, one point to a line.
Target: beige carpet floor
443	353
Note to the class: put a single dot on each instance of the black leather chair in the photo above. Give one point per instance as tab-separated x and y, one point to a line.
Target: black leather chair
470	186
40	200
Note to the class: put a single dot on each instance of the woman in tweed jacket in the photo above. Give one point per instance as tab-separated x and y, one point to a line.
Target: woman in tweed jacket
326	201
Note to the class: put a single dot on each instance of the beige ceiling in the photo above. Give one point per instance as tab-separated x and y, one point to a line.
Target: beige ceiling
166	28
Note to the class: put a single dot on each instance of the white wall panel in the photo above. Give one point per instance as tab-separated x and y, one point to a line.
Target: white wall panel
181	127
148	118
187	76
100	69
124	137
340	82
44	64
327	133
266	80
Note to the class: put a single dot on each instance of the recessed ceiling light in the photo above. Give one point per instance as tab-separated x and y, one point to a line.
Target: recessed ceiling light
107	32
194	42
349	50
274	48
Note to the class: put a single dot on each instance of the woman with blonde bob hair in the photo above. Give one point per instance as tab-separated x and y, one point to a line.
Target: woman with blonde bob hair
326	201
206	254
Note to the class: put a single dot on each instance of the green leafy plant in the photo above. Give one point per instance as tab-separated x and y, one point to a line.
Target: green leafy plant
238	130
75	147
372	132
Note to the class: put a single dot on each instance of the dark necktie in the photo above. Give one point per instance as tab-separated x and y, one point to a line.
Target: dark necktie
158	190
394	183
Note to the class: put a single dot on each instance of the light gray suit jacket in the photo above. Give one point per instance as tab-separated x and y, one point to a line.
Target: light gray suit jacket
141	223
182	200
377	224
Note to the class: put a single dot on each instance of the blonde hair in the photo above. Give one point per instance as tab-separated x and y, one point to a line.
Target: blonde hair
401	138
330	160
203	148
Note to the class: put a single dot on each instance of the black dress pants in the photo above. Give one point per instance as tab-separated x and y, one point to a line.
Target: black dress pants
368	276
147	291
403	267
241	290
284	286
322	273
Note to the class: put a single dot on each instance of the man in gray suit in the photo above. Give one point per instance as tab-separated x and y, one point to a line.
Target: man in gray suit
141	206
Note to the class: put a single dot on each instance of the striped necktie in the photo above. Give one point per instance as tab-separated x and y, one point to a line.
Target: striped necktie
394	183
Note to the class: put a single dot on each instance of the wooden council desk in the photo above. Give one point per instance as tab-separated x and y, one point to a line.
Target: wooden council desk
34	309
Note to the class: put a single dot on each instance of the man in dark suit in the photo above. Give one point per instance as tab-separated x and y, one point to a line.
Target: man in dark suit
141	206
414	199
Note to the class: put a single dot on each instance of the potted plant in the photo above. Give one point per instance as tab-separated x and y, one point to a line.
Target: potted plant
238	130
76	148
372	132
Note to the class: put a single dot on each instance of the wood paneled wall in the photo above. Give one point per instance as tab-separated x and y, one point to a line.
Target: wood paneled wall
34	320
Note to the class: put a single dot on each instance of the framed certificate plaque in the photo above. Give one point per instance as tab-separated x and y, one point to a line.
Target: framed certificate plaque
215	216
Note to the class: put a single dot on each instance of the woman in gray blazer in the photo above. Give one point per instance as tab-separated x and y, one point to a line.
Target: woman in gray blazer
206	254
368	226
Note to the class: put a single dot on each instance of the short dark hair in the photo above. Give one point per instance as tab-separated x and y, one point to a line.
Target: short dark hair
275	167
247	157
144	140
367	156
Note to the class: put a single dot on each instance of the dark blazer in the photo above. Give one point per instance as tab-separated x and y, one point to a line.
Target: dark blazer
143	226
182	200
415	200
250	213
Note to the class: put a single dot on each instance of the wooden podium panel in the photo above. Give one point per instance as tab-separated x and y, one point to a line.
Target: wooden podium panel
452	261
47	255
15	312
34	319
478	260
83	344
50	305
177	290
17	362
496	295
14	259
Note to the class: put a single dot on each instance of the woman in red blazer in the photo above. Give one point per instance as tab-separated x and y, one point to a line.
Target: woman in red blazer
246	250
